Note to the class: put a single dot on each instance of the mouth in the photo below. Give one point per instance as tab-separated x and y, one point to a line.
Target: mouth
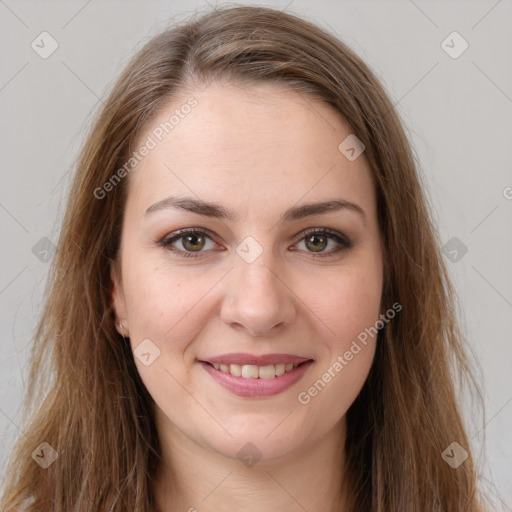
250	371
256	380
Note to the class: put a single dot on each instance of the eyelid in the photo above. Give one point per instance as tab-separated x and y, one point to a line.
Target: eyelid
341	239
336	235
181	233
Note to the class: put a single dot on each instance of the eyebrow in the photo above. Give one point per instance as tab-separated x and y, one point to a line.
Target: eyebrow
209	209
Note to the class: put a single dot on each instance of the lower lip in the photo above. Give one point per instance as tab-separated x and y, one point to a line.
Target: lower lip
257	387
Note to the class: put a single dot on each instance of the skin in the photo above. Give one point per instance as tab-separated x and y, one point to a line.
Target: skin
257	150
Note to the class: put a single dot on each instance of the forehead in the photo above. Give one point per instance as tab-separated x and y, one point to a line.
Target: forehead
244	146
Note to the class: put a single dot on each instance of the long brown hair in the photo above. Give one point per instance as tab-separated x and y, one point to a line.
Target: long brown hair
85	397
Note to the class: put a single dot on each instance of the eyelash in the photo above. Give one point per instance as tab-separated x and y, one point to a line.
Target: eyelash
343	241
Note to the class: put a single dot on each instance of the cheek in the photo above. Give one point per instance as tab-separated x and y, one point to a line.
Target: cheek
358	304
346	301
350	310
163	307
156	299
164	303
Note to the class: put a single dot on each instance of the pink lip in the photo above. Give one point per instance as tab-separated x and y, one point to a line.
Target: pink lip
241	359
254	388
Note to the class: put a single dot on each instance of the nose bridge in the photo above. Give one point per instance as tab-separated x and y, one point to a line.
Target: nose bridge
256	273
258	298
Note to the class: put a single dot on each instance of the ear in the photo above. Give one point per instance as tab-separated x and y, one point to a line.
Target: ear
117	299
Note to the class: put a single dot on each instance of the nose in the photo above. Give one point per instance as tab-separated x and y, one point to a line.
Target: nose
258	300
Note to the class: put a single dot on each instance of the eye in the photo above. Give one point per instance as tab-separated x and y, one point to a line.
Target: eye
317	240
193	241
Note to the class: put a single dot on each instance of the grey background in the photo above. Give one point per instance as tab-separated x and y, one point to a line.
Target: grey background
458	113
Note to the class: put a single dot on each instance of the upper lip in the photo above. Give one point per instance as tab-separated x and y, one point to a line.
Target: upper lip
251	359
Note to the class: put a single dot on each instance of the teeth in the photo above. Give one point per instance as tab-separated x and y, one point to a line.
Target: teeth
280	369
249	371
235	369
267	372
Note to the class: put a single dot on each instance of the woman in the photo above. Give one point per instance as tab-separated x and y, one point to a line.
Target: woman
248	305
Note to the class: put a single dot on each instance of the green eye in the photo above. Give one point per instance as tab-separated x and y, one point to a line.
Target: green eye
317	240
193	241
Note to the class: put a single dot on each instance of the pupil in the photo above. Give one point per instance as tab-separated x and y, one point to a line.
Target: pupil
316	248
189	238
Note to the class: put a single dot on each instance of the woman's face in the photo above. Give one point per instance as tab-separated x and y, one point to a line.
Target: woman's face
258	291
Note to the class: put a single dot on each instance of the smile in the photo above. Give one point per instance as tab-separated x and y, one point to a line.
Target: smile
256	381
249	371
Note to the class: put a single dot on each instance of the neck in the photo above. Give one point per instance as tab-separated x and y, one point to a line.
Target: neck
192	477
